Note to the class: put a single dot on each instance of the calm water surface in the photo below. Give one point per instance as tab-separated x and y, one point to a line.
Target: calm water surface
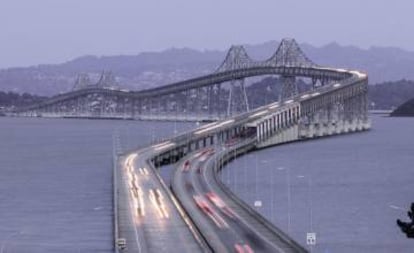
348	189
56	188
56	181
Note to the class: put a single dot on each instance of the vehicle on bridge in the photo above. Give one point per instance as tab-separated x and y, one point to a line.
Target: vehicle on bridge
157	200
213	215
336	104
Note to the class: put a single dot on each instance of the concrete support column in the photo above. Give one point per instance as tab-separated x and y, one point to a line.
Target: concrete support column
218	100
270	123
259	132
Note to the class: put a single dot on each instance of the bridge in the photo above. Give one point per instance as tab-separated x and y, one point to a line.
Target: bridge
212	97
106	80
196	212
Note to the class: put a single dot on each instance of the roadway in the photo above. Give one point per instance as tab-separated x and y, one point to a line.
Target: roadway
226	226
164	224
150	220
155	222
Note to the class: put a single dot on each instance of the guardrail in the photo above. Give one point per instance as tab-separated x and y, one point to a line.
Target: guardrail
224	159
187	219
115	199
209	130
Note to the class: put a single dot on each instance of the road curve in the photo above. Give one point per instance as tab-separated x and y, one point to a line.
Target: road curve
206	214
226	225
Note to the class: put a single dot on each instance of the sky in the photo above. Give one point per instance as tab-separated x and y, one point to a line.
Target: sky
52	31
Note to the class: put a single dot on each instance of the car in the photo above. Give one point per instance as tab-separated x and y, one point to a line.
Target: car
186	166
143	171
137	201
157	200
217	201
243	248
205	154
213	215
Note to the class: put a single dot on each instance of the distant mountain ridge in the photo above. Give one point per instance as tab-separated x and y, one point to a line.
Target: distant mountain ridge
151	69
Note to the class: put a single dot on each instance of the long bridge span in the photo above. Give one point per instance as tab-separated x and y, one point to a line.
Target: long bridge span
211	97
195	212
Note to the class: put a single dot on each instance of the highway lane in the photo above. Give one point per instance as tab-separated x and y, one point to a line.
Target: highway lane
184	190
156	224
223	227
251	220
242	233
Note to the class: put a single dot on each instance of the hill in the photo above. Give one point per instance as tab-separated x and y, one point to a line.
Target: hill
151	69
11	99
406	109
389	95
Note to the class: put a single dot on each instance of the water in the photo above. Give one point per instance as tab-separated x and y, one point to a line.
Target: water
56	184
56	181
348	189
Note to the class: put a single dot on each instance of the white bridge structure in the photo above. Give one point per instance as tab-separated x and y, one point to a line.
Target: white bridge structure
221	94
337	107
336	103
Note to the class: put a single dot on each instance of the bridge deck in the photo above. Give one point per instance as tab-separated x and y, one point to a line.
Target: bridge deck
335	108
264	228
196	177
153	231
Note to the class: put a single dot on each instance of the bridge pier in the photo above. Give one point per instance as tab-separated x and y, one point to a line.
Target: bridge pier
204	97
237	100
289	87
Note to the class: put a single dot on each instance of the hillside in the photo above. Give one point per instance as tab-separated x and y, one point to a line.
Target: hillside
153	69
404	110
12	99
389	95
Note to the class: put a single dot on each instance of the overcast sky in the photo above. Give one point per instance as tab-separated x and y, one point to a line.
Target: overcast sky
53	31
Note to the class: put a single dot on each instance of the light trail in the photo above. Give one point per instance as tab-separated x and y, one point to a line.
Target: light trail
258	114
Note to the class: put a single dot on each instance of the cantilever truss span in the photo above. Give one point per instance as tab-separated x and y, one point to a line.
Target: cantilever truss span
214	96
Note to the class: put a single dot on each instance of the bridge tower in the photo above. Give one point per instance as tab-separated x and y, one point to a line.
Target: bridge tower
289	87
289	55
221	94
82	81
237	101
107	79
236	59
